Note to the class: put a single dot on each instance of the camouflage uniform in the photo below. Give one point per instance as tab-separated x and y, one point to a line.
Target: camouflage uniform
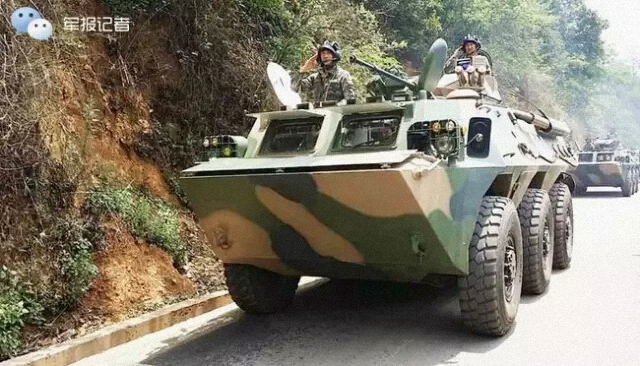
461	53
333	84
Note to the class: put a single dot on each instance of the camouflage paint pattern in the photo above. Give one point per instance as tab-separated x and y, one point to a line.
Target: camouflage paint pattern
608	174
339	224
389	213
605	173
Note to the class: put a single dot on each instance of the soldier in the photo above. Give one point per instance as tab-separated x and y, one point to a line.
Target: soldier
330	82
469	47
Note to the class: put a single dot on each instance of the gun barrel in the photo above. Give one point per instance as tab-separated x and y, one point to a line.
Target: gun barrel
374	68
553	127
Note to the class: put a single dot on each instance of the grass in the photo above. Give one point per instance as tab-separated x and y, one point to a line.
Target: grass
148	218
18	305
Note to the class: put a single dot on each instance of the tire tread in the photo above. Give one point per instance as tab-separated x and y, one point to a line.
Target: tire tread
258	291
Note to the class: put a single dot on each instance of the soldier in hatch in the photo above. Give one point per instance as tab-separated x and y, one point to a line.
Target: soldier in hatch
330	82
469	47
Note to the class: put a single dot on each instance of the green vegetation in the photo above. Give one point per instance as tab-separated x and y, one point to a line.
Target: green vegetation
615	107
148	218
18	306
60	287
76	263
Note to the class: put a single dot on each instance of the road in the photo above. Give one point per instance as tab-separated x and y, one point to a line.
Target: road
590	315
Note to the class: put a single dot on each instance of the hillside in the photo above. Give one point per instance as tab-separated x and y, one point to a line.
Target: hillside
96	126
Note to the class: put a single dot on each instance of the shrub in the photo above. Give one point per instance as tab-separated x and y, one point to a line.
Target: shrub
18	305
148	218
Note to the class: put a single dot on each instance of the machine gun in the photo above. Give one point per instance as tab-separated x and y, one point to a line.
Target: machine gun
409	88
398	88
410	84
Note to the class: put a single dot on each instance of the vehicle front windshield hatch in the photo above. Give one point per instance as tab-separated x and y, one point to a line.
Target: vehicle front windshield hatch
585	157
291	136
605	157
368	131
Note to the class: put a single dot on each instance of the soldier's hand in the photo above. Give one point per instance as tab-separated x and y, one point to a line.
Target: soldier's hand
309	65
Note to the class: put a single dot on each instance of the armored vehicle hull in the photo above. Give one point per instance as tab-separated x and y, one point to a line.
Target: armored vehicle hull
606	169
367	222
404	186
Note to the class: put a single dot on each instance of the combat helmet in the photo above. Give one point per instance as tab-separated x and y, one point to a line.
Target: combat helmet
331	47
471	38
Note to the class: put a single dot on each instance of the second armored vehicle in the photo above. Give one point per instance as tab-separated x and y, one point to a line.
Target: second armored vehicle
433	176
603	163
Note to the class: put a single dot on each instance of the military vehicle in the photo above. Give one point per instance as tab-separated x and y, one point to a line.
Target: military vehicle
605	163
431	176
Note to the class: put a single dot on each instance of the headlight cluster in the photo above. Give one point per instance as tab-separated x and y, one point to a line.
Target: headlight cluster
225	146
444	138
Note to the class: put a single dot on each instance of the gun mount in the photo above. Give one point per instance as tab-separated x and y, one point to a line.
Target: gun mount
411	88
410	84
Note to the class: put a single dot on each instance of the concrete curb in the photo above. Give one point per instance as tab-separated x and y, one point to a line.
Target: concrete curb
114	335
101	340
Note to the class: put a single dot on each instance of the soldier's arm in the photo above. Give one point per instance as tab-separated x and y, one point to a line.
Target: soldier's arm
450	65
306	88
348	88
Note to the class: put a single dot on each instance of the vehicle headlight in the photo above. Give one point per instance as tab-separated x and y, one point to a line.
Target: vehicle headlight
225	146
451	126
436	127
444	145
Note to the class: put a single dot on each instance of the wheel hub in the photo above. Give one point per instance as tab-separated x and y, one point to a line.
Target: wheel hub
569	234
546	239
510	264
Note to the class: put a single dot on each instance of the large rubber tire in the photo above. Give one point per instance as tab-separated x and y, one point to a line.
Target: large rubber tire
627	185
489	300
562	204
537	223
258	291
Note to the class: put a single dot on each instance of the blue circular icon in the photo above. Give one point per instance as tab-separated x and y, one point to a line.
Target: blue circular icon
40	29
21	18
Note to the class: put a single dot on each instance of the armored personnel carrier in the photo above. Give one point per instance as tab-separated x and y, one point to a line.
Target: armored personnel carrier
604	163
430	176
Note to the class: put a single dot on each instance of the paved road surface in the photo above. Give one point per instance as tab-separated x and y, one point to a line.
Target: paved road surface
589	316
